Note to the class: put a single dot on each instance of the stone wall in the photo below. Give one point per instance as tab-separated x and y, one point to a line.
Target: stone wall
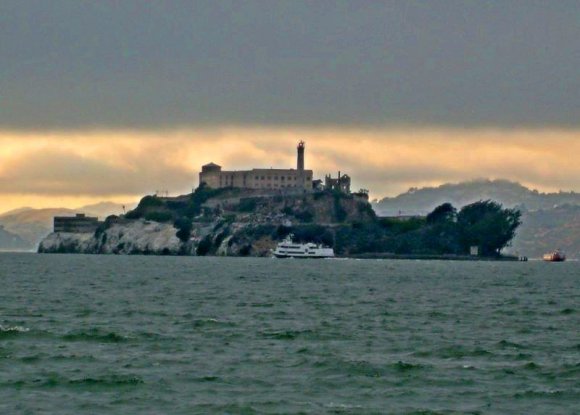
258	179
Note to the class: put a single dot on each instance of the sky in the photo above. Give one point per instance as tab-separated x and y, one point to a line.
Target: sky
111	100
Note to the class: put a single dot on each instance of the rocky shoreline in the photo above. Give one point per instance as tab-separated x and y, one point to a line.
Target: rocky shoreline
238	222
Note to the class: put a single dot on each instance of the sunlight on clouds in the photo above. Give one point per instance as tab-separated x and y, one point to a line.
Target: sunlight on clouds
65	168
14	201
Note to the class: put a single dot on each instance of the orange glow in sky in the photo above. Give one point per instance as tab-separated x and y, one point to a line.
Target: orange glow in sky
72	168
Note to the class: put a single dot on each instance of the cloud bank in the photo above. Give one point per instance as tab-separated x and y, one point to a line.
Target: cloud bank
135	64
63	168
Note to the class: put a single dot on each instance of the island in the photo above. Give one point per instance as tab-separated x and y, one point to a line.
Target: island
246	213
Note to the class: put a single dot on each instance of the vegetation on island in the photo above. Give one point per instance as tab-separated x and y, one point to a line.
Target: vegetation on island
238	222
549	221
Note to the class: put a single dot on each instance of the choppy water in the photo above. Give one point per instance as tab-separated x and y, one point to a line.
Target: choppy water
162	335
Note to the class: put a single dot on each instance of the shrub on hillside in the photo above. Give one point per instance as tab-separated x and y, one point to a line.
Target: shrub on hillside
304	216
159	216
247	205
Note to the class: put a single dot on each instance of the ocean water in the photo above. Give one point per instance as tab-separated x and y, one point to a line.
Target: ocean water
183	335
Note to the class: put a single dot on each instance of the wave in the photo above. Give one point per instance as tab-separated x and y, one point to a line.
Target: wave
112	381
12	331
285	334
401	366
368	369
505	344
453	352
308	334
570	370
74	357
567	311
209	378
95	335
541	394
227	408
212	322
545	371
532	366
55	380
31	359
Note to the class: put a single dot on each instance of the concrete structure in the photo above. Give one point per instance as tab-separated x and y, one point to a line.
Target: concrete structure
75	224
341	183
280	179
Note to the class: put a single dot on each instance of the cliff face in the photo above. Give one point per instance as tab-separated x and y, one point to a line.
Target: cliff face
226	222
133	237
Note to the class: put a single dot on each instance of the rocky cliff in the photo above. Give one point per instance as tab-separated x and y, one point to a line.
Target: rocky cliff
130	237
217	222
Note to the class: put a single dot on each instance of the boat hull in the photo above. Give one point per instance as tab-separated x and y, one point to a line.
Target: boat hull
554	257
282	256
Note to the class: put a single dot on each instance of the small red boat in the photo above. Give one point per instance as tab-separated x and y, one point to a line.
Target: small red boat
555	256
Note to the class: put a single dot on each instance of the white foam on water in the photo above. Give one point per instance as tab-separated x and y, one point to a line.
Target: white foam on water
19	329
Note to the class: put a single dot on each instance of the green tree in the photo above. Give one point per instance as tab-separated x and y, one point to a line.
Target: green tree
442	214
488	225
441	236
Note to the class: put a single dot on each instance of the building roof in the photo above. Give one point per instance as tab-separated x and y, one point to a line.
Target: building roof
278	170
212	164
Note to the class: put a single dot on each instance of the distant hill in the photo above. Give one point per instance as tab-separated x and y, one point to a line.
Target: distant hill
549	221
510	194
14	211
545	230
31	225
10	241
104	209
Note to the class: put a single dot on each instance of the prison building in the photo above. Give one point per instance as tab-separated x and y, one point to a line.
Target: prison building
80	223
213	176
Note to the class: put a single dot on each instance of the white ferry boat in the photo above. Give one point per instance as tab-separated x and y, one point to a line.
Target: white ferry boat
289	249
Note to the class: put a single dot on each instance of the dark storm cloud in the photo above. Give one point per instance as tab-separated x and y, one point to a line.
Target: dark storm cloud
68	64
